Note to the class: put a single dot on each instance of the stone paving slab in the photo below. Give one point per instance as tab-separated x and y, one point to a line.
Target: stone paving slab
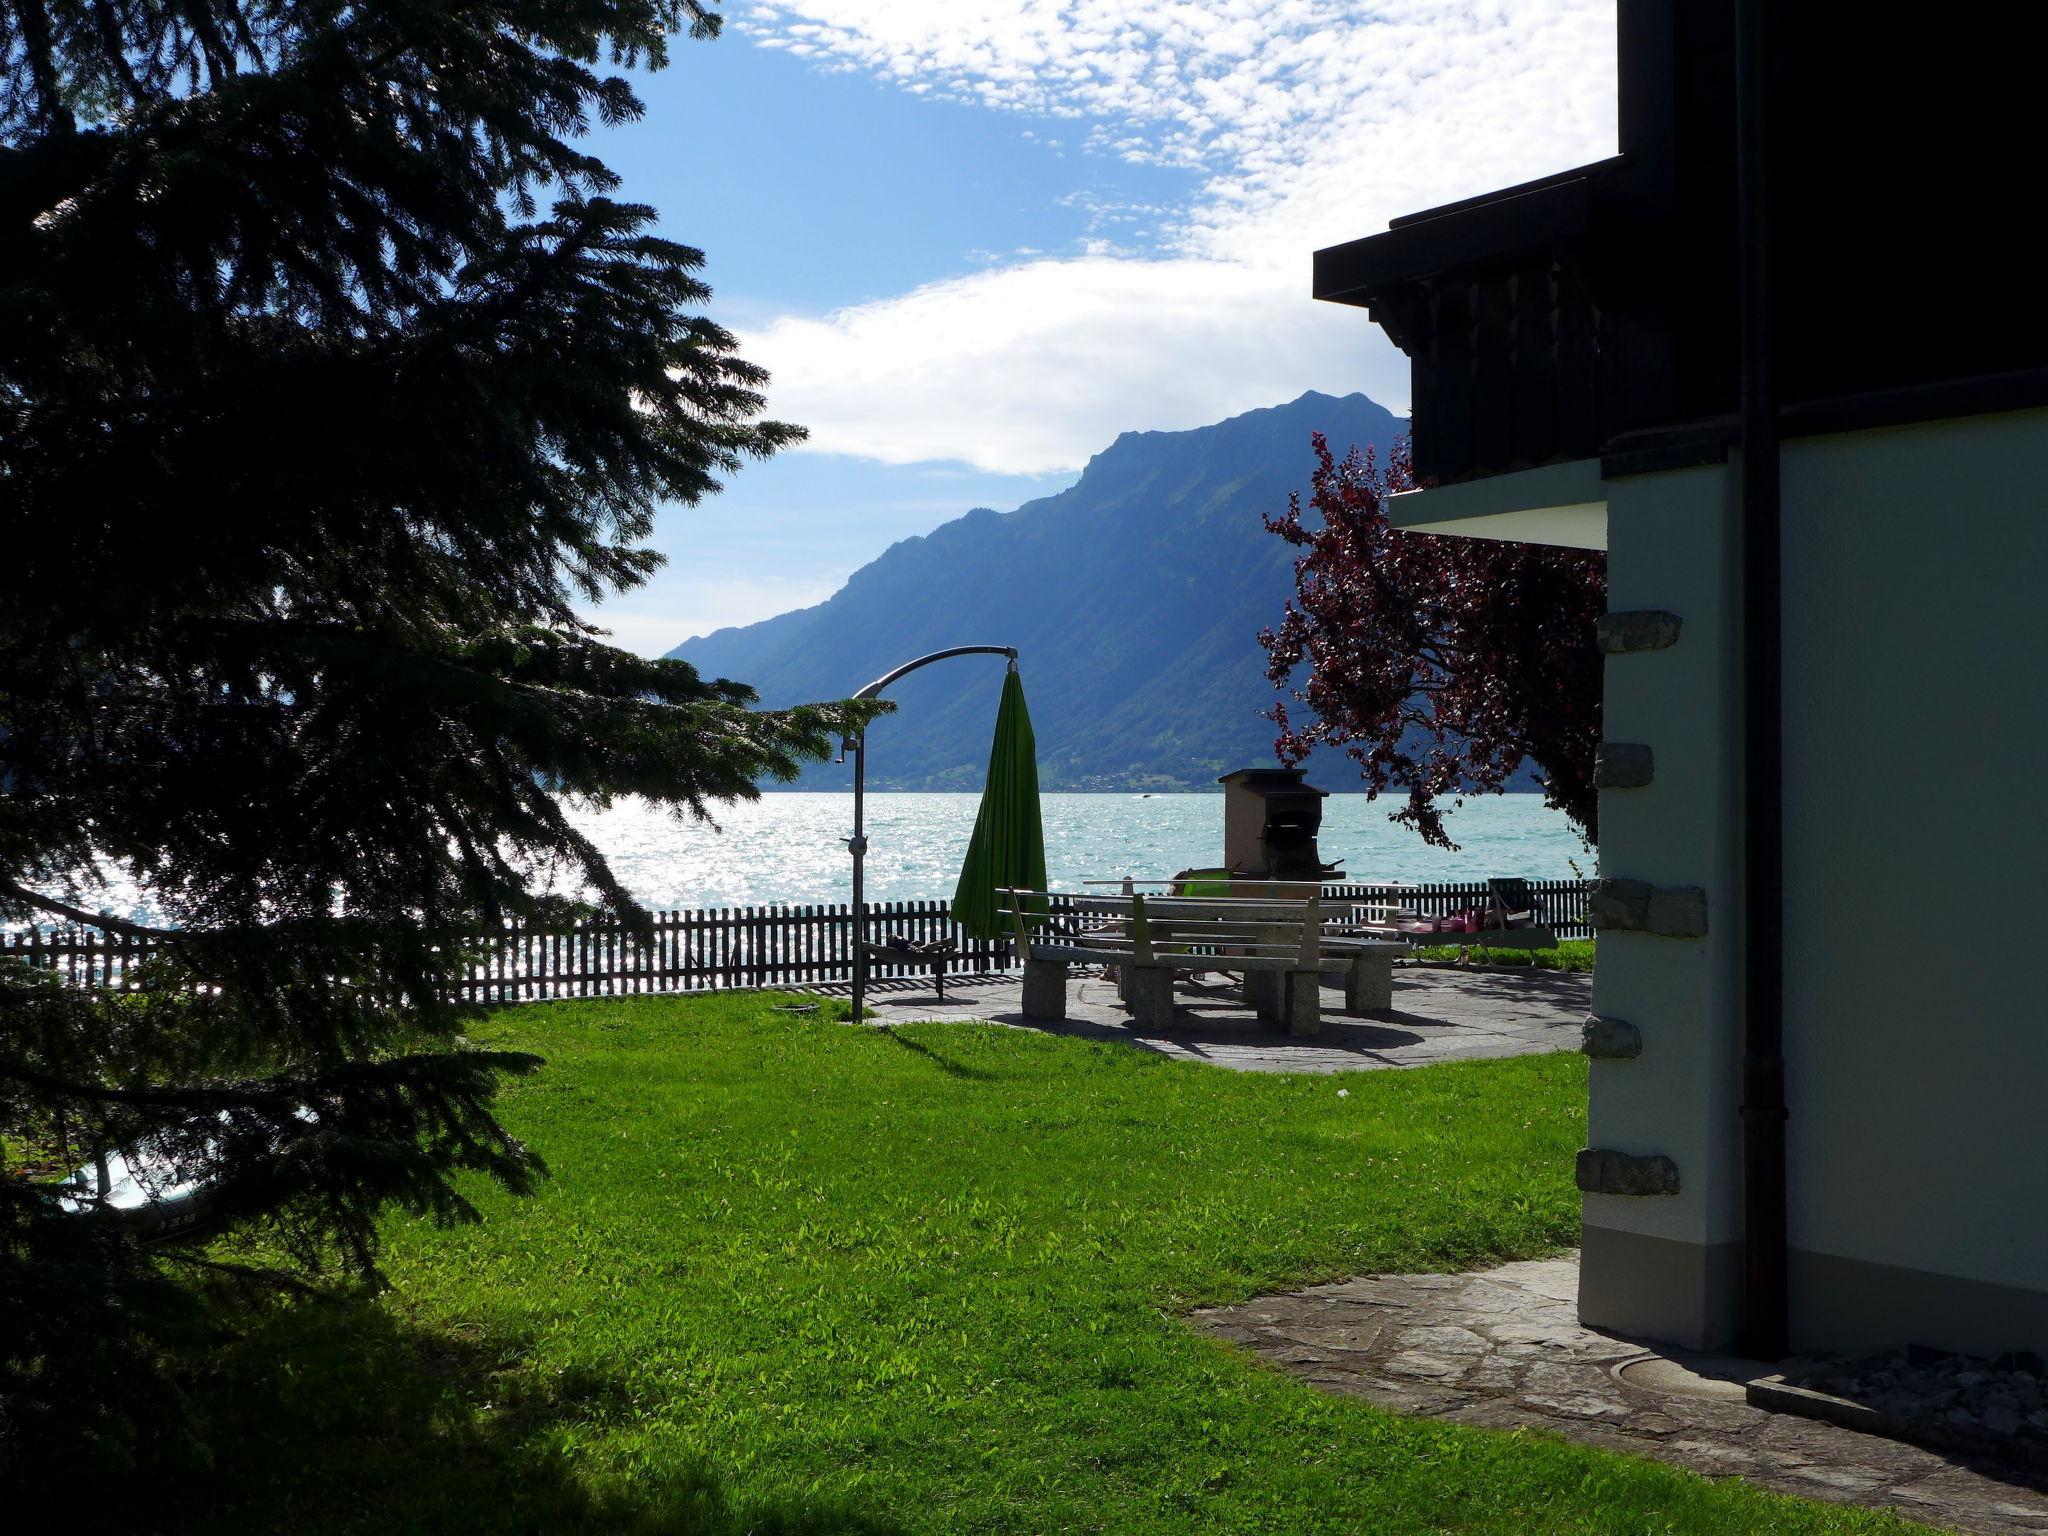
1439	1014
1503	1349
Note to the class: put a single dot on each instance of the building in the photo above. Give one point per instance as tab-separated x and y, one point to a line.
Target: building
1783	358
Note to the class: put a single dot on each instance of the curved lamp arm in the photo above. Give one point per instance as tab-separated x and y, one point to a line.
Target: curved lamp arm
884	681
874	689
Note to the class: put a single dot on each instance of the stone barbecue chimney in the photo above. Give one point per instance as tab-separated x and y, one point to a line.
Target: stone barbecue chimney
1270	821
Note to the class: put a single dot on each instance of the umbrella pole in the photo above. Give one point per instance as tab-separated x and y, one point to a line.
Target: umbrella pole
858	844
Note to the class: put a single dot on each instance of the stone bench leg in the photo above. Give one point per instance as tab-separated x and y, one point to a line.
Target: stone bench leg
1264	996
1303	991
1369	984
1148	991
1045	989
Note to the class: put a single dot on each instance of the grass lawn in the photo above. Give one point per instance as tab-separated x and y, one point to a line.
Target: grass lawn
791	1276
1569	955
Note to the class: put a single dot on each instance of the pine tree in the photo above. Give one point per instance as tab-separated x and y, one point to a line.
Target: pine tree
332	378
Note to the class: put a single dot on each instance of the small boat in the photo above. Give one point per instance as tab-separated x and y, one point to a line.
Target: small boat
145	1193
144	1188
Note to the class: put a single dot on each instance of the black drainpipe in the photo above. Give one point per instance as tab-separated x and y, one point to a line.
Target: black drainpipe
1763	1058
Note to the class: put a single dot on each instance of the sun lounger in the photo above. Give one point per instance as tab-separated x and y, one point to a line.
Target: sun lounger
1506	921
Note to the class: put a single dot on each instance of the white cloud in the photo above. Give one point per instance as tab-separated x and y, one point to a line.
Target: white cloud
1362	108
1035	367
1308	121
664	614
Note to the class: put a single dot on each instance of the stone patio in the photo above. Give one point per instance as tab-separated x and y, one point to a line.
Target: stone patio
1503	1349
1439	1014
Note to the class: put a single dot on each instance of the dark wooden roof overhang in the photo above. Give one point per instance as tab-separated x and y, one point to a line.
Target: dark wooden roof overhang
1532	331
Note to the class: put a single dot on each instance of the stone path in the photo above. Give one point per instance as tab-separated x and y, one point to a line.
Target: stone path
1502	1348
1439	1014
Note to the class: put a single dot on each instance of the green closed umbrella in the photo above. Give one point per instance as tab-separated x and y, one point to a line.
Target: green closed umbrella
1008	846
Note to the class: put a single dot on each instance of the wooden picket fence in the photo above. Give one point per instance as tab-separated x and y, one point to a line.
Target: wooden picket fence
715	950
83	957
722	948
712	950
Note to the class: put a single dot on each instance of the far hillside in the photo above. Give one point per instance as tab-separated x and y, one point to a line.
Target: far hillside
1135	597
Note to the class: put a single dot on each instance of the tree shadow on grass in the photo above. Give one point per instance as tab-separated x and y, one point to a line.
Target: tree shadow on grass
337	1416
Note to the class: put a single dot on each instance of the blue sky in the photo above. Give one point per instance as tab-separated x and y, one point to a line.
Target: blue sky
973	240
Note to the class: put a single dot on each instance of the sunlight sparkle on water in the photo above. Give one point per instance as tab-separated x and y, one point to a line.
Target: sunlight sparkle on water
789	847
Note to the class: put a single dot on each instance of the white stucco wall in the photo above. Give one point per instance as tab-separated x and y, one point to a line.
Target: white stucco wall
1671	545
1916	873
1916	847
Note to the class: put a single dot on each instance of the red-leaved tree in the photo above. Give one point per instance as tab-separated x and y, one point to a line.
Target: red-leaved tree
1442	666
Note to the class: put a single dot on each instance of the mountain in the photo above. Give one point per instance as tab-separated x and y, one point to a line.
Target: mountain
1134	597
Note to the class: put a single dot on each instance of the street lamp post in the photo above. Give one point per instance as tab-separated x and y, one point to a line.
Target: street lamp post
857	844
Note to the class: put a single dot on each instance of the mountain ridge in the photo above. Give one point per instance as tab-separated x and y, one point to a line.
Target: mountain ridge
1134	596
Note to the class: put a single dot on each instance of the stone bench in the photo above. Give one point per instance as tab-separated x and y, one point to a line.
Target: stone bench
1276	944
1368	970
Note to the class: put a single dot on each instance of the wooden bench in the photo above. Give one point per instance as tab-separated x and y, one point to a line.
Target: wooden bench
1276	944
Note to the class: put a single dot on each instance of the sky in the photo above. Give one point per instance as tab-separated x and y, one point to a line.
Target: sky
974	240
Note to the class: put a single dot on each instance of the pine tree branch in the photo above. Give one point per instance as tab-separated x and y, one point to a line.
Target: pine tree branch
105	920
284	1096
272	1277
38	47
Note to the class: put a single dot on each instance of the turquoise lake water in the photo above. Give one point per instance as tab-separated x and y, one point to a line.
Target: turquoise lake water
789	848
